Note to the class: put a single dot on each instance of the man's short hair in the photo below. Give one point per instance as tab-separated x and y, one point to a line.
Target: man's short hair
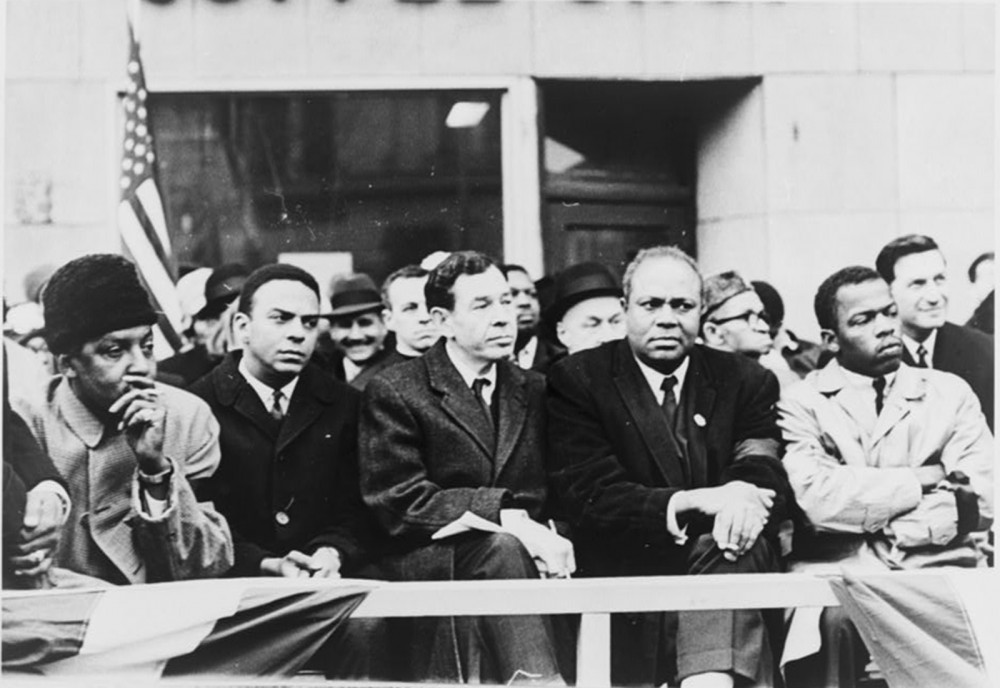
508	268
825	303
656	252
405	272
272	273
439	289
982	258
899	248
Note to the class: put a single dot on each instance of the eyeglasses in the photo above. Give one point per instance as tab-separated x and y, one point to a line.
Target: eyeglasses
752	318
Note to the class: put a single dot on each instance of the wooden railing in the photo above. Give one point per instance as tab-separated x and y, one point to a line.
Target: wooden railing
596	599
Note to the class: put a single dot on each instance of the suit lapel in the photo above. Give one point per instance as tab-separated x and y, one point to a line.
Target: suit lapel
303	410
233	390
697	406
457	400
513	410
648	417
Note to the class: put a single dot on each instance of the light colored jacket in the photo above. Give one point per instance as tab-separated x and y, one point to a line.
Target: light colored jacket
108	534
852	483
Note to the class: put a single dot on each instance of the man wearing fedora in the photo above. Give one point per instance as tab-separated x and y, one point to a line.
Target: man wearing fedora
221	288
586	309
357	329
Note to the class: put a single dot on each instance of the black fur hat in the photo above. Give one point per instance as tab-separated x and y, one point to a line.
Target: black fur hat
91	296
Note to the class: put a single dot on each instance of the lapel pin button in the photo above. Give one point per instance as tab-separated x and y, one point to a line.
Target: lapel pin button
699	420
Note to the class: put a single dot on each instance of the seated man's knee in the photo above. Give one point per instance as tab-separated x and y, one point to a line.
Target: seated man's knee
500	555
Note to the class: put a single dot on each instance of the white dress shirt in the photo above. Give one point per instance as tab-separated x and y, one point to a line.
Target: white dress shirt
912	345
470	375
266	392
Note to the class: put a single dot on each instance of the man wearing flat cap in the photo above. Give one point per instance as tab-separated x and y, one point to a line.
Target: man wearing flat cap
129	449
586	310
734	318
357	330
222	287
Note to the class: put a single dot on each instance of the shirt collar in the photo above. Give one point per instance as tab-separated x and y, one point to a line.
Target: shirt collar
526	356
912	345
266	392
655	378
468	374
858	380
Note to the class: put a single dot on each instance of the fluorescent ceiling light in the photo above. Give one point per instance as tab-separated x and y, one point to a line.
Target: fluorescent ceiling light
466	114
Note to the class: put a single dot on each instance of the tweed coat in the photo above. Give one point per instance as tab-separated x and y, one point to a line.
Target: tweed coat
616	468
426	453
291	485
969	354
852	485
108	535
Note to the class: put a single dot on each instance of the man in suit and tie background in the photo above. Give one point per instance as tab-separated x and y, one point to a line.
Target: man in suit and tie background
892	465
461	429
915	270
665	455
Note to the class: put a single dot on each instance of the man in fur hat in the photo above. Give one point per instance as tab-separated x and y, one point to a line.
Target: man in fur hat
129	449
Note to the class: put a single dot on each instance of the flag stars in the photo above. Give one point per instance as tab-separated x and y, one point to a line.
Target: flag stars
133	67
140	130
127	164
125	183
129	144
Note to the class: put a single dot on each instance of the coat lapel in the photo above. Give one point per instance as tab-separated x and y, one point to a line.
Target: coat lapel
304	408
909	386
648	417
457	400
513	410
234	391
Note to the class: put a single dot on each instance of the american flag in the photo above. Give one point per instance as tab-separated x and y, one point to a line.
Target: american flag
141	219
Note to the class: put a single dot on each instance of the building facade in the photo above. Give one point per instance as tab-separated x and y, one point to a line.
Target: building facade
782	139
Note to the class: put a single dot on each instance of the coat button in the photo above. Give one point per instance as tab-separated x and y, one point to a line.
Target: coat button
282	518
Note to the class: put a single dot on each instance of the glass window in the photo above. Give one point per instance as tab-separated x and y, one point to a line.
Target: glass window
387	176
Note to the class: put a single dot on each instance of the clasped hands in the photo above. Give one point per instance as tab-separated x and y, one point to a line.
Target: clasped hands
324	563
551	552
740	511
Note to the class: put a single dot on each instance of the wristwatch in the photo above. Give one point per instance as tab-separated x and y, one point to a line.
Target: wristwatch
156	478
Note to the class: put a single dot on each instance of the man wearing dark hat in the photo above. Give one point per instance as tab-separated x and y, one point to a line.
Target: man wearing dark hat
734	318
357	330
130	449
221	288
586	310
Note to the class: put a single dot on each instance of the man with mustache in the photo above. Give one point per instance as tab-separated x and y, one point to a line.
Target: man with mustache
132	451
459	432
892	464
357	329
915	270
288	481
665	456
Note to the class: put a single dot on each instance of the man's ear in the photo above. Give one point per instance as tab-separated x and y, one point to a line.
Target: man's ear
561	333
830	341
241	328
442	320
64	365
710	334
387	319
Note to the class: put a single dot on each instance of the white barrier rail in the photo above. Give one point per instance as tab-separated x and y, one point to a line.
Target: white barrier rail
596	599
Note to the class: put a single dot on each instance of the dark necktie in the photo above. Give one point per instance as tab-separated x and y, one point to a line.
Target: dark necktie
669	404
879	385
921	356
276	411
479	386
